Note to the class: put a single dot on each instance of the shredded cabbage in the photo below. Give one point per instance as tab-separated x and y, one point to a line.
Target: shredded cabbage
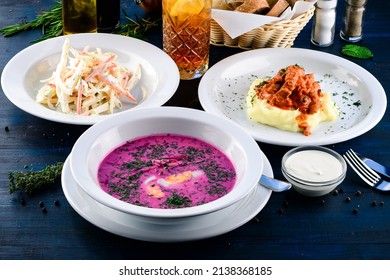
88	83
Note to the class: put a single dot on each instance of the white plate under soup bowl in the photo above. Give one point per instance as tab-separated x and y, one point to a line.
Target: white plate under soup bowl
100	139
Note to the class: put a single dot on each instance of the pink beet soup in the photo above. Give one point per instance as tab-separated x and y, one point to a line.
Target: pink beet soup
166	171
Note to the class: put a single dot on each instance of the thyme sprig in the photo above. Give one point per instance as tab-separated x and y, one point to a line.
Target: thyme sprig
32	180
50	22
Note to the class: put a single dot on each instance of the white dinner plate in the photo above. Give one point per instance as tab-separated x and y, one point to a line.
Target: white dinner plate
358	94
127	225
22	75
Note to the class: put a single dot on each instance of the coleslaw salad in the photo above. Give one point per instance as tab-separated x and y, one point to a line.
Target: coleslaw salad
88	82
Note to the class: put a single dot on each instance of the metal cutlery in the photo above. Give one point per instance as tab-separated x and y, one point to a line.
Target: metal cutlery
366	173
274	184
379	168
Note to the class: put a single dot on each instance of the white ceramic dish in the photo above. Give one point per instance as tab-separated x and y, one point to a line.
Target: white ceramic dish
22	74
360	96
100	139
318	187
129	226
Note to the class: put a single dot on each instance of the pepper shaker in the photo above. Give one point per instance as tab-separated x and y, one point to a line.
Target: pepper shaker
352	29
324	21
108	15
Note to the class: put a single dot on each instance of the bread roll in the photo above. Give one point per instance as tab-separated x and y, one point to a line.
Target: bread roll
292	2
254	7
233	4
220	4
271	3
278	8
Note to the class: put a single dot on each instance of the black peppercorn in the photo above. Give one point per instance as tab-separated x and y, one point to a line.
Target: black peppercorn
373	203
335	192
44	210
41	204
358	193
322	202
22	201
56	202
355	211
347	199
6	128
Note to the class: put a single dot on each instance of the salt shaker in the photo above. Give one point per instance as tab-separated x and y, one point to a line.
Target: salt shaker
352	25
324	21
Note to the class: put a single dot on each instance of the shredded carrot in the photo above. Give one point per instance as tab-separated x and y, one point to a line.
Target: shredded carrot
79	98
85	81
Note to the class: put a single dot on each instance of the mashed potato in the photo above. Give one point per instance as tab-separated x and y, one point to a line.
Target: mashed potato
287	114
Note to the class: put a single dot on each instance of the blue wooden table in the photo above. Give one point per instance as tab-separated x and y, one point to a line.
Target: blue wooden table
290	226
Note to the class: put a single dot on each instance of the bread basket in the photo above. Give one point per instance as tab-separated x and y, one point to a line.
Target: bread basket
279	34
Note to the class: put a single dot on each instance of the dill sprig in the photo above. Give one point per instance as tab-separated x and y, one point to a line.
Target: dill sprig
31	180
50	22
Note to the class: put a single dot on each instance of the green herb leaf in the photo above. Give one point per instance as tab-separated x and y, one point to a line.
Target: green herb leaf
31	180
357	51
135	28
50	22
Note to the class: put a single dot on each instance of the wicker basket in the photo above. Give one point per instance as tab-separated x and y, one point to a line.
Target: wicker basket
272	35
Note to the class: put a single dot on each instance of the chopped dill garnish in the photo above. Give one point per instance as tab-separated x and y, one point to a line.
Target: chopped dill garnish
137	164
177	201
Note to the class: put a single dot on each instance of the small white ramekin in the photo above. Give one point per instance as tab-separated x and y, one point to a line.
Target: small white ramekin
314	187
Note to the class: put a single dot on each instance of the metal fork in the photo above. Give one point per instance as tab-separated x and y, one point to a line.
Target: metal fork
366	173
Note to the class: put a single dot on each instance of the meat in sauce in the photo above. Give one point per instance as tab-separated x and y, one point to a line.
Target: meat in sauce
292	89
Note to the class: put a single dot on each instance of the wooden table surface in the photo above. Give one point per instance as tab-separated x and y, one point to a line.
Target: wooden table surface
290	226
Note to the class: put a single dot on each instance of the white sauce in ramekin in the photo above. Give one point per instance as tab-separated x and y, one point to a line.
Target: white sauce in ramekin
314	166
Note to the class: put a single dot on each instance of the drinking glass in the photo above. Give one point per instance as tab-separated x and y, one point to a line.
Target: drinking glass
186	35
108	14
79	16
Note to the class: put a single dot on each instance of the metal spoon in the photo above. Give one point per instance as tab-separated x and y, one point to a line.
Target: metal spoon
274	184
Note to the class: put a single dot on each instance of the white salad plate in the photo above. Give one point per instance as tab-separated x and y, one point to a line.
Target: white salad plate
21	78
358	94
129	226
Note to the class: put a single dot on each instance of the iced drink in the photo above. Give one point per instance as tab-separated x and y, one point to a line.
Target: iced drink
186	35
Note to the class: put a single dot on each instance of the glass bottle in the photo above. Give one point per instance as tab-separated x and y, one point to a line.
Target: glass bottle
352	25
79	16
108	14
324	21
